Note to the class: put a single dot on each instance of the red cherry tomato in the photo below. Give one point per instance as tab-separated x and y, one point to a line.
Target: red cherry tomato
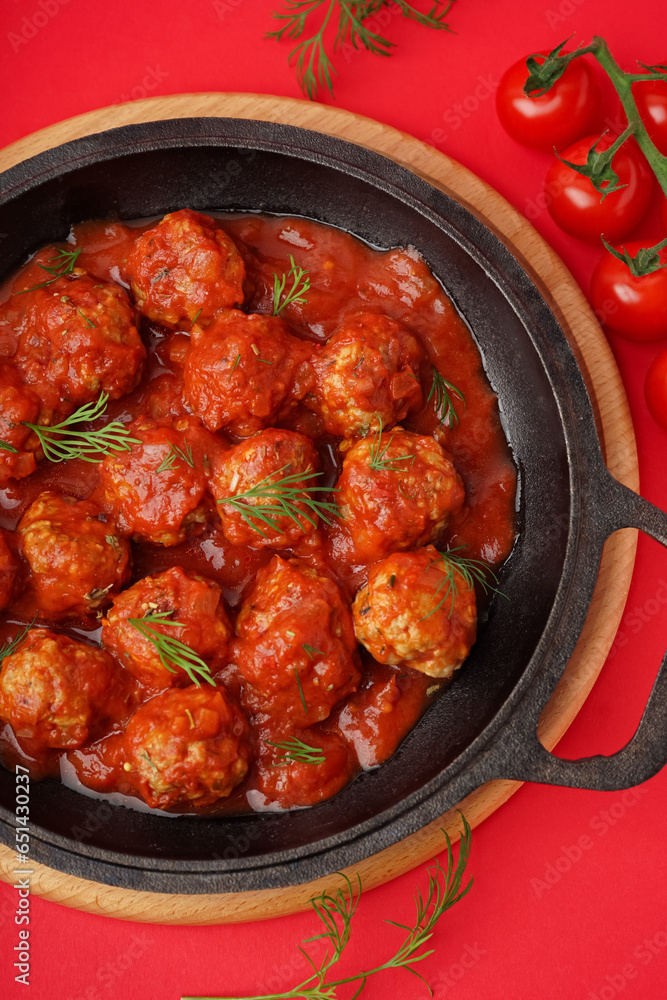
651	99
633	307
578	208
655	389
664	213
556	118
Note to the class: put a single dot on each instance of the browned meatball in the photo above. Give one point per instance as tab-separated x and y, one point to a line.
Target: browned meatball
367	376
157	488
81	340
191	600
76	558
8	570
186	747
54	690
242	371
397	491
18	444
287	782
297	649
257	464
185	268
417	609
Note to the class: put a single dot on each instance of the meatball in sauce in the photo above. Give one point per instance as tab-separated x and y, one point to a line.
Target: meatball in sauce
257	588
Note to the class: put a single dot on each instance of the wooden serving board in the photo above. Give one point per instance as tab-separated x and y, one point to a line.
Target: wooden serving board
616	434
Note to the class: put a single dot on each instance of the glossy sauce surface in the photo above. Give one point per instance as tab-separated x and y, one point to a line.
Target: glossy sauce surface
346	278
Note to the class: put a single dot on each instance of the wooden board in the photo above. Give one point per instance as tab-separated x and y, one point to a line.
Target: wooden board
616	434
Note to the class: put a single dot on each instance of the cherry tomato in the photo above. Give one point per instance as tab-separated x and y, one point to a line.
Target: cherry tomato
655	389
663	210
651	99
556	118
633	307
579	209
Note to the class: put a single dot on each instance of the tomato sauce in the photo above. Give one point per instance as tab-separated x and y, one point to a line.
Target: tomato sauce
347	278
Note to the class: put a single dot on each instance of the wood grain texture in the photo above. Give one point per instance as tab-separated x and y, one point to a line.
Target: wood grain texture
616	434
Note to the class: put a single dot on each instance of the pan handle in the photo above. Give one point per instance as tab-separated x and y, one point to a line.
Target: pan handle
616	507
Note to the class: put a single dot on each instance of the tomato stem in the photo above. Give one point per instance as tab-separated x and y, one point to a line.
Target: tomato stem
623	85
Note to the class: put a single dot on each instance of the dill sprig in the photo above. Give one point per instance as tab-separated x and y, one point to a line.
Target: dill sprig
283	495
336	911
303	697
13	644
444	391
6	446
173	456
310	651
295	751
379	462
300	285
173	653
60	443
63	261
472	570
314	69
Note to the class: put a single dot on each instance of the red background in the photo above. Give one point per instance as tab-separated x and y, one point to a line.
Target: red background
601	928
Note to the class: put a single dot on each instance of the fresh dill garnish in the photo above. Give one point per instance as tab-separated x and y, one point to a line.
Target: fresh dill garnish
63	263
295	751
60	443
298	681
444	393
472	570
336	910
6	446
197	316
300	285
283	495
173	653
379	462
88	321
314	69
310	651
148	759
13	644
173	456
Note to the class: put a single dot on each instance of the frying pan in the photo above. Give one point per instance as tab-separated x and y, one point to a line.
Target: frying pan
484	727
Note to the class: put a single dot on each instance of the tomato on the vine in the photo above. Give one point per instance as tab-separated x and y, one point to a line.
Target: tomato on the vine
663	211
634	307
651	100
556	118
655	389
581	211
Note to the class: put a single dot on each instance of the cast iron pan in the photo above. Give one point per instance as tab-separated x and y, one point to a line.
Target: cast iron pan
485	725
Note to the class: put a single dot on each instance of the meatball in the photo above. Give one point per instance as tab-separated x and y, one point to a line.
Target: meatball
54	689
185	268
81	340
397	491
241	372
157	488
366	376
192	601
186	747
417	609
272	455
296	650
18	403
285	782
75	555
8	569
